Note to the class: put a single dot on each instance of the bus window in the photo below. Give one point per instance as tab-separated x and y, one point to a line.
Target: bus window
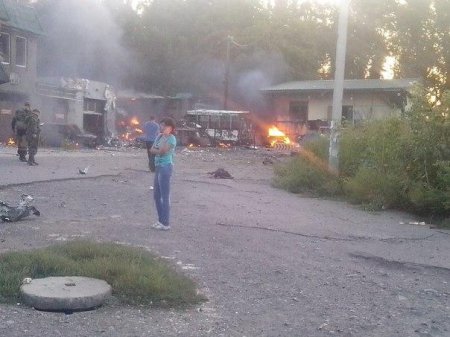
214	122
225	122
204	121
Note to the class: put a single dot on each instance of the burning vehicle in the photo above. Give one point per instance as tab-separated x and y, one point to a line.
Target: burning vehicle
223	126
276	136
191	135
56	135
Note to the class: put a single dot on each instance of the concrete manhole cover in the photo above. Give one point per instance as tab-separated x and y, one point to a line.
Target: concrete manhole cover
68	293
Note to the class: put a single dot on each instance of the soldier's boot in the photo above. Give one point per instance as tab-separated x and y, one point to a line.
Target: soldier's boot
31	160
22	155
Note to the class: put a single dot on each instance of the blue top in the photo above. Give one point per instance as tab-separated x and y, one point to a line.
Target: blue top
166	158
151	131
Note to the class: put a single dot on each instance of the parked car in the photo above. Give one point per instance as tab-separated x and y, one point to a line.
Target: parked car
56	135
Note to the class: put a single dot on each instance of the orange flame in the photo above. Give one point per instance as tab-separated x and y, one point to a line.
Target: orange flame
134	121
132	129
224	145
277	136
10	142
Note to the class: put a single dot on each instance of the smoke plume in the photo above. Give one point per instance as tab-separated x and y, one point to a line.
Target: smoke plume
82	40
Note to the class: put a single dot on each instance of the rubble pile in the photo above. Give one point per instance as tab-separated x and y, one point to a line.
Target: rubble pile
221	174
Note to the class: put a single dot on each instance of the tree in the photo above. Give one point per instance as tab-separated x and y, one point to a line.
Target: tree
418	35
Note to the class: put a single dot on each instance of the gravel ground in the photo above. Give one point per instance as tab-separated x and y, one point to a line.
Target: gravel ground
271	263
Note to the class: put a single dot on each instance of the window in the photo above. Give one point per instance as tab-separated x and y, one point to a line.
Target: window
214	122
203	121
347	114
5	47
237	122
299	111
93	105
21	51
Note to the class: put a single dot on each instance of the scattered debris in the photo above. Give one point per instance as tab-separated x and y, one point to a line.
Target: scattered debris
27	280
267	161
11	214
221	174
416	223
322	326
83	171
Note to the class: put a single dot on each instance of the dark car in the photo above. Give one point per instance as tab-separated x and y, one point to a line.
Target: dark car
56	135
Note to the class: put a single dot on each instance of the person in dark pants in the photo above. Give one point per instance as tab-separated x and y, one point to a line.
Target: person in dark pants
151	131
33	131
19	127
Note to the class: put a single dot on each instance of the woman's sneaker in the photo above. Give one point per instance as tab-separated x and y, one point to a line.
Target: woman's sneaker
160	226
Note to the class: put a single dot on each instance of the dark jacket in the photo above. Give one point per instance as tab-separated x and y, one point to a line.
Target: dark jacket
19	121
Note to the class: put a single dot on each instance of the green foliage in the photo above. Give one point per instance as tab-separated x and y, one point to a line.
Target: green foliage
376	144
376	190
401	162
136	276
308	172
180	45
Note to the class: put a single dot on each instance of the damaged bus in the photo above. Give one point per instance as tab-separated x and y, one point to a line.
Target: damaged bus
223	126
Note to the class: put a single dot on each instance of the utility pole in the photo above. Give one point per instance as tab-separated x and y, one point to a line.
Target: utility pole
227	73
336	114
230	40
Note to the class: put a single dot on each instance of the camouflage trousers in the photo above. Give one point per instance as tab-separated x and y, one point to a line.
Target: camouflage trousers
21	141
33	141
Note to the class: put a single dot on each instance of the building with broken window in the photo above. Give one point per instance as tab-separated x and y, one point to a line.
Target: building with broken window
19	32
90	105
297	106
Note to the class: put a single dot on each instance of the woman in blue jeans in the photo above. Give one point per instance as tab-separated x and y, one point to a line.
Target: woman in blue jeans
163	148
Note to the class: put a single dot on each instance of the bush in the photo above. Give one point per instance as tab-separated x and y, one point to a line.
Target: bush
308	172
401	162
375	190
376	144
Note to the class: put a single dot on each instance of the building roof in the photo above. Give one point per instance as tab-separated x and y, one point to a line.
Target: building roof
321	85
207	112
20	16
89	89
129	94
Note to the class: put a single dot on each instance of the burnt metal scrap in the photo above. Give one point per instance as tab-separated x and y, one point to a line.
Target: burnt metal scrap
221	174
267	161
83	171
15	213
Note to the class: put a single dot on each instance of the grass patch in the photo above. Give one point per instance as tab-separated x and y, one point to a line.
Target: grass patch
135	275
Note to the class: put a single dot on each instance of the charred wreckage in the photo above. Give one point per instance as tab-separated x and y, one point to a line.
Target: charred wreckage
22	210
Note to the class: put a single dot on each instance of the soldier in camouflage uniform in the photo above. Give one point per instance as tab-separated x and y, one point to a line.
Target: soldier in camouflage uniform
33	131
19	126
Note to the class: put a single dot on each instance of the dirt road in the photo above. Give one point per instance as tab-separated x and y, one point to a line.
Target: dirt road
271	263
